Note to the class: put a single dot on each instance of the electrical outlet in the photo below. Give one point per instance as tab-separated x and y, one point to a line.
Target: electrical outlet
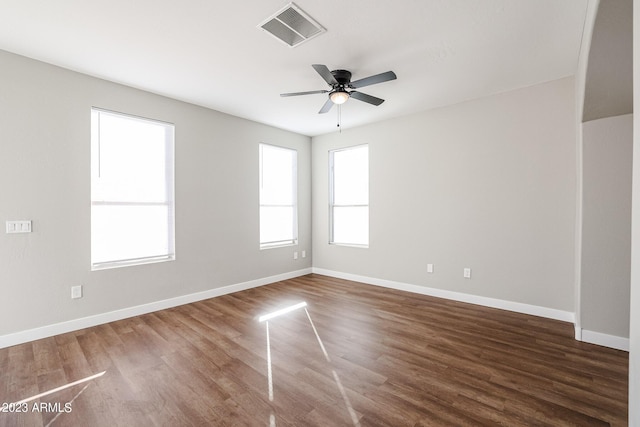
304	254
76	292
429	268
295	255
466	273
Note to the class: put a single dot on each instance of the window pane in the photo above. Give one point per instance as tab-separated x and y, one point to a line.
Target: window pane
131	189
277	176
131	160
351	225
278	209
351	176
128	232
276	224
349	196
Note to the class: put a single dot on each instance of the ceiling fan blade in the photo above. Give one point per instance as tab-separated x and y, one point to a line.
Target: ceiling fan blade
372	80
304	93
326	107
325	74
366	98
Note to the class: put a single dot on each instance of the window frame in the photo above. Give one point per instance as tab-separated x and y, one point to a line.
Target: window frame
169	187
333	205
294	198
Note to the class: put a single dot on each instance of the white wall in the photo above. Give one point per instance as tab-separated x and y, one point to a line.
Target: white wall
488	184
45	176
606	227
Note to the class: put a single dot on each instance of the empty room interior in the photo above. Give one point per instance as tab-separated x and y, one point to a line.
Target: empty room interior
331	213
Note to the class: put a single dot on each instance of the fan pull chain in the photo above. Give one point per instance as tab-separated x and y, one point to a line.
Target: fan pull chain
339	117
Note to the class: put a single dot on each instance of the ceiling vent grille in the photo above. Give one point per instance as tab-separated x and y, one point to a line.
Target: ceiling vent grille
292	26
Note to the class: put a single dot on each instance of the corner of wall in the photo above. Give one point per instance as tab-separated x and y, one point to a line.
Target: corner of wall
580	88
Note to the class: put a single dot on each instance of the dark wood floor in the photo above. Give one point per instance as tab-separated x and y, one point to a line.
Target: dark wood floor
358	355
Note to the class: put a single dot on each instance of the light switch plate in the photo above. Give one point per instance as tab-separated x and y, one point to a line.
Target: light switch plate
18	227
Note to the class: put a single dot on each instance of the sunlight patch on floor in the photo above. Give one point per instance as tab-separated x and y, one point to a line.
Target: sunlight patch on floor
336	377
282	311
269	374
64	387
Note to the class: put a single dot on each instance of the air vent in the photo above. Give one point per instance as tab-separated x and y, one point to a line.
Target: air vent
292	26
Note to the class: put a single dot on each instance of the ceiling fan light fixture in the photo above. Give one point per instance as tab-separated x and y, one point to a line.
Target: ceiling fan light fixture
340	82
339	97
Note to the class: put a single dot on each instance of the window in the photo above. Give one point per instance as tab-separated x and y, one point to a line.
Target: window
278	196
349	196
132	208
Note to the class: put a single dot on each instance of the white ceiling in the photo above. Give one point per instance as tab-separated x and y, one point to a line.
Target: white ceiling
211	52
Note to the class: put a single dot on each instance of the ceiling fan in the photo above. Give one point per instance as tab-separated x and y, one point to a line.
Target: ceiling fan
341	85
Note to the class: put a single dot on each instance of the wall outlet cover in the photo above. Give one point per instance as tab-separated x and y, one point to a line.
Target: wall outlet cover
76	292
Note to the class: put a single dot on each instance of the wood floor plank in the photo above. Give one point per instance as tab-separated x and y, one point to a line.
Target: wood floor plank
358	355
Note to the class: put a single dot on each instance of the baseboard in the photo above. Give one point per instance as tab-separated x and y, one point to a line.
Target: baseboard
591	337
605	340
517	307
578	334
99	319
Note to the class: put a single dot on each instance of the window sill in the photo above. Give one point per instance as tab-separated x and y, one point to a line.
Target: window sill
278	245
131	263
350	245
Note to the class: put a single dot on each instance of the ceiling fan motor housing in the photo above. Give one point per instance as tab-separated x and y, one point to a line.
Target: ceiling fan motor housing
343	77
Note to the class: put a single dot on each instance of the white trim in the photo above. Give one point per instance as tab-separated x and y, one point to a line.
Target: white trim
578	330
580	90
517	307
611	341
99	319
577	290
591	337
